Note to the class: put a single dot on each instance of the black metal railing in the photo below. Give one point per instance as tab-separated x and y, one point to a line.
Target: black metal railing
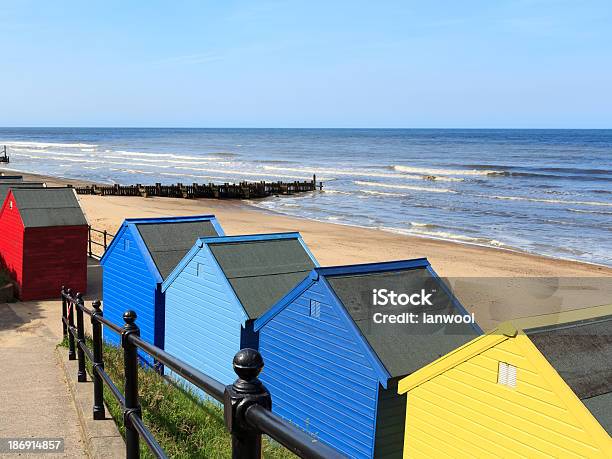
246	403
102	240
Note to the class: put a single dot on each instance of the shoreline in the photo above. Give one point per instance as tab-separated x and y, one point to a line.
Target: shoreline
398	232
496	284
61	181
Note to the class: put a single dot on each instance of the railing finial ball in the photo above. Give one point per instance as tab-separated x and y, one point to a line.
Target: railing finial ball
129	317
96	305
248	363
78	296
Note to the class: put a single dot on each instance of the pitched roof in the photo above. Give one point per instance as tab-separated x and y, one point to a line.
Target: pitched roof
564	316
5	186
44	207
168	241
402	348
262	271
581	352
600	408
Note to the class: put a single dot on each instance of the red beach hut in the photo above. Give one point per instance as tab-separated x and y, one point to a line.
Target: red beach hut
43	241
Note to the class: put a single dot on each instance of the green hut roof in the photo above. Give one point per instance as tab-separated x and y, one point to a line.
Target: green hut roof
261	272
6	186
44	207
168	242
402	348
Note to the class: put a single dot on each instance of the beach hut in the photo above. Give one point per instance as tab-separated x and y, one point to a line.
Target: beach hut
142	254
43	241
221	286
336	345
544	392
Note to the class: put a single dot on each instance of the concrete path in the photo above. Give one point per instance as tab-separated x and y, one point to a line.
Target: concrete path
35	401
34	397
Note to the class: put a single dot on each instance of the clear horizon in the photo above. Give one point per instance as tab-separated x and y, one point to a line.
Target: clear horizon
520	64
319	127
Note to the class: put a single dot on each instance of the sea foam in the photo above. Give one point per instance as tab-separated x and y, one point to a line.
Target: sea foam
404	187
436	172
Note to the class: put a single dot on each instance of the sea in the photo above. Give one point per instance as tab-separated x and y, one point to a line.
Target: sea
546	192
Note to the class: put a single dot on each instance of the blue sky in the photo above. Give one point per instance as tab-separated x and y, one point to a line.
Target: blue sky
522	63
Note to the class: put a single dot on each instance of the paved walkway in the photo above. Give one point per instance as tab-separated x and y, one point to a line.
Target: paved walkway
34	397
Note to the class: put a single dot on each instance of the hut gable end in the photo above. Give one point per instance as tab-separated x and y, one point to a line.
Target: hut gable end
11	239
313	336
134	266
43	241
323	331
203	307
210	313
122	289
462	401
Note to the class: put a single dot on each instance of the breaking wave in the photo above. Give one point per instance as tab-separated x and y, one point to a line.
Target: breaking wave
447	236
164	156
404	187
550	201
436	172
51	153
358	173
343	172
42	145
594	212
382	193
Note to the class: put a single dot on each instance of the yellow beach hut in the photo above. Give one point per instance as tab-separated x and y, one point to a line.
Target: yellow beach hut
544	391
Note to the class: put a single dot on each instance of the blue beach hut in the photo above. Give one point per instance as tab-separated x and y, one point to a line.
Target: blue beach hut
142	254
333	356
221	286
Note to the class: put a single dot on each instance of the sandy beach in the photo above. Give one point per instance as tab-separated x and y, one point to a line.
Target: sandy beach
497	285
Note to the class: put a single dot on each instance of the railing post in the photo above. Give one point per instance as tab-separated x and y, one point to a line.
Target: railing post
130	368
64	313
70	305
246	391
89	240
82	374
104	241
98	362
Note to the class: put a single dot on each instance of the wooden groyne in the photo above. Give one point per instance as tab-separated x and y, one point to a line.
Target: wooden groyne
242	190
4	157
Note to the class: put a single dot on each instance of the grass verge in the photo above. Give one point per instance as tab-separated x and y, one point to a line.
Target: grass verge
184	425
